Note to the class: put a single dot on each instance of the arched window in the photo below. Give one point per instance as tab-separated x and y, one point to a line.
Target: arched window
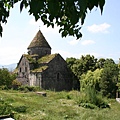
58	76
20	69
25	69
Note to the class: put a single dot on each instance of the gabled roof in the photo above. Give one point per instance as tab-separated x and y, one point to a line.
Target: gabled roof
39	41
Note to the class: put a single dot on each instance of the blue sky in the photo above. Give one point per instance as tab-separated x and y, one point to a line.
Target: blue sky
101	35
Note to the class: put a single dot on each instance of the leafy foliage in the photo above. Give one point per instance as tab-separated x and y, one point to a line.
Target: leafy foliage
28	88
101	74
20	109
5	107
109	78
67	14
82	65
91	79
16	84
6	77
92	99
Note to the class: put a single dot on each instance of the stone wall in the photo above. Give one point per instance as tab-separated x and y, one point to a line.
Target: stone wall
57	76
40	51
23	71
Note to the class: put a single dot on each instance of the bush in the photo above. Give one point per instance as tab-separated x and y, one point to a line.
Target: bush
90	98
27	88
20	109
3	87
23	88
16	84
68	97
5	107
31	88
88	105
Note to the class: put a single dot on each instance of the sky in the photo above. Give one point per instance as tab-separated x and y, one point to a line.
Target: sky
101	35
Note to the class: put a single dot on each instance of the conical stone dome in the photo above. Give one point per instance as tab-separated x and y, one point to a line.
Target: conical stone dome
39	41
39	46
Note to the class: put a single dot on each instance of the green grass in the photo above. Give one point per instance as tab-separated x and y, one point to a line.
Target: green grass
56	106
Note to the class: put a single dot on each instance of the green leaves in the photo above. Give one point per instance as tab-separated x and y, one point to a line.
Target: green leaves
24	3
36	8
53	7
67	14
101	4
4	14
1	30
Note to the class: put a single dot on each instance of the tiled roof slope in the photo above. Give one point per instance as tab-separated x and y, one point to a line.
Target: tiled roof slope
39	41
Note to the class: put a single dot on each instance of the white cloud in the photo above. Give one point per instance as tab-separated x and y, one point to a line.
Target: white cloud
87	42
103	28
73	42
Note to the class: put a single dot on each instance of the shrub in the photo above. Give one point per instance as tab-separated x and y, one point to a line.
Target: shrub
23	88
16	84
3	87
31	88
5	107
20	109
27	88
90	98
88	105
68	97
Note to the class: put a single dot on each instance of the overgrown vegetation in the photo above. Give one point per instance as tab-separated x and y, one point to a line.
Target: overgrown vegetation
6	78
55	106
99	81
101	74
91	99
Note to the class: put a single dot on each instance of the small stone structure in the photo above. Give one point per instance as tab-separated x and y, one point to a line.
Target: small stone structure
41	68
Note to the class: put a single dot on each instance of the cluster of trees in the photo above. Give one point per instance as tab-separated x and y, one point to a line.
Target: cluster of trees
6	78
100	74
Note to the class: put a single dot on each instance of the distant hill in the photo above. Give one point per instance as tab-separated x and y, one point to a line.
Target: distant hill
10	67
116	61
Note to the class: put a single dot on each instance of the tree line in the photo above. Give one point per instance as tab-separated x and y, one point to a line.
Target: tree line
100	74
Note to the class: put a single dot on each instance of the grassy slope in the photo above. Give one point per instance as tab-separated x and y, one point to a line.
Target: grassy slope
57	106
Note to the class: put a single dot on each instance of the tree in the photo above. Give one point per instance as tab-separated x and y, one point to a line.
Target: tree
100	63
70	63
91	80
69	15
82	65
6	77
109	78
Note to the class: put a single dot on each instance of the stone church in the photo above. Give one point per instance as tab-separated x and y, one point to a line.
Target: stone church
41	68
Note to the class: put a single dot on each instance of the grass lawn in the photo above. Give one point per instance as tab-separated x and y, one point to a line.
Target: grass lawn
56	106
